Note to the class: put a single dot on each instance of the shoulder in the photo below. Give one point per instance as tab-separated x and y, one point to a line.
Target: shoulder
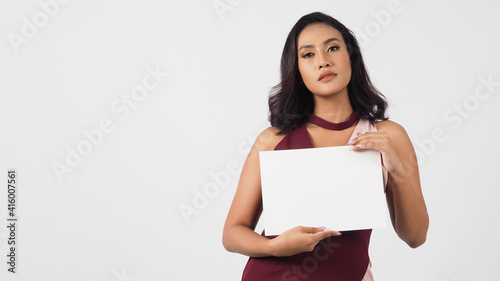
396	132
392	128
268	139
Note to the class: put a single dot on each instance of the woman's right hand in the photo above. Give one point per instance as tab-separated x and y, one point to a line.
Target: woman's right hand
239	235
299	239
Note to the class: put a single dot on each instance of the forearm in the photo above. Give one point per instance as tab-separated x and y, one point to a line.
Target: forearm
410	218
241	239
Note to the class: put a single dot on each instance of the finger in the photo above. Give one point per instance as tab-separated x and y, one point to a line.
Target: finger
325	234
356	147
354	141
369	142
333	232
319	230
359	137
307	229
362	145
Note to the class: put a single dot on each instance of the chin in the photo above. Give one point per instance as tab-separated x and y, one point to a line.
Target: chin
326	94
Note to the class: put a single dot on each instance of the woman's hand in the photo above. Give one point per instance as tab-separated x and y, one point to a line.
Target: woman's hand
404	194
380	141
299	239
239	235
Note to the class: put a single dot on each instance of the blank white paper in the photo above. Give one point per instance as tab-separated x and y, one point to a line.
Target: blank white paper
332	187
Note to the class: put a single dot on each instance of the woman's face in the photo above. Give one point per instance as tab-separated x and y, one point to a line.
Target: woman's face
323	60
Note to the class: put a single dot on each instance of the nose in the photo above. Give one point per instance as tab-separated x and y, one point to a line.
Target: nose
323	62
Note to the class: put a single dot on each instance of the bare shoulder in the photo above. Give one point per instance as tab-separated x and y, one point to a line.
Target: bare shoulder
394	129
268	139
397	134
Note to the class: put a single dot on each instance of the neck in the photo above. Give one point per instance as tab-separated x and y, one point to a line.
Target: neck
335	109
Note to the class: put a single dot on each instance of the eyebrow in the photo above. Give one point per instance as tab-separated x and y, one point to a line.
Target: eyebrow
324	43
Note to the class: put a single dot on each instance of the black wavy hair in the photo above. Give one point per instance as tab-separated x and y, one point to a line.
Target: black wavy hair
291	103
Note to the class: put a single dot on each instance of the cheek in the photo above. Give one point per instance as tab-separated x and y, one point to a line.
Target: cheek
347	66
304	71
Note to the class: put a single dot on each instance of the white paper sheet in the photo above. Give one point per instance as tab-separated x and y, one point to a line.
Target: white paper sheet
332	187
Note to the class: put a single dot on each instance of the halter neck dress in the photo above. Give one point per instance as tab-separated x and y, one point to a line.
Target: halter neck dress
337	258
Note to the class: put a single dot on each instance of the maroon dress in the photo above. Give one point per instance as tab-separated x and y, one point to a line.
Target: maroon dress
337	258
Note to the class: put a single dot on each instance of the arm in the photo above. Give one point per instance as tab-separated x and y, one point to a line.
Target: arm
239	235
404	195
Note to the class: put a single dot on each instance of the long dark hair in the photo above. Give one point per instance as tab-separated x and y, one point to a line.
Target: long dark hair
291	103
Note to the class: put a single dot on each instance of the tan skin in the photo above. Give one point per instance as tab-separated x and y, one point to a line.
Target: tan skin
321	48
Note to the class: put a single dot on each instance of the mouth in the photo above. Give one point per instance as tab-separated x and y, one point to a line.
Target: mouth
327	75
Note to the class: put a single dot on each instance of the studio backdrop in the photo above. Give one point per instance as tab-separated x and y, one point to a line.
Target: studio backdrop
124	126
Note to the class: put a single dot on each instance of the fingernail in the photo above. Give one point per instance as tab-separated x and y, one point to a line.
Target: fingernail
349	142
352	148
338	234
321	228
359	145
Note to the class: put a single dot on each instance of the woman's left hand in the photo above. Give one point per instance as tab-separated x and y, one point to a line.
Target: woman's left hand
404	195
380	141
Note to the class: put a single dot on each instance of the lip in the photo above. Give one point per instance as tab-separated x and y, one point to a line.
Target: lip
326	76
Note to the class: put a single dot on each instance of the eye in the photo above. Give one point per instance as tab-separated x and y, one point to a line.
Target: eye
307	55
333	48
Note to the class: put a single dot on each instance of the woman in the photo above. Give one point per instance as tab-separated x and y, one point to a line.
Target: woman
325	98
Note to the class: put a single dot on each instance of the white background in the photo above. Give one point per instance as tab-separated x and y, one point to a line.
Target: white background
116	215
